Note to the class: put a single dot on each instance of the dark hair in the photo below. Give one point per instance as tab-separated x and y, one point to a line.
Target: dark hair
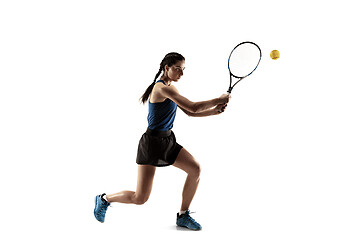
170	59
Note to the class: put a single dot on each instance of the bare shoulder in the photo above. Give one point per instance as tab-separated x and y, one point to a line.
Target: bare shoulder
159	91
166	90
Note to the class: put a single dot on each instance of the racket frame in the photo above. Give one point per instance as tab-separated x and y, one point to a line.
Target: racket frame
237	77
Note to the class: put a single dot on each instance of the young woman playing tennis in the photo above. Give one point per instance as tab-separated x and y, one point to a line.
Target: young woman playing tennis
158	146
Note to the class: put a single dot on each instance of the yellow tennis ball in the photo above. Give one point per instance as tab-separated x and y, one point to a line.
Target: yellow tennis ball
275	54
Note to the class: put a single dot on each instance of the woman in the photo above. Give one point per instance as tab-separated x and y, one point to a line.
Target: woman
158	146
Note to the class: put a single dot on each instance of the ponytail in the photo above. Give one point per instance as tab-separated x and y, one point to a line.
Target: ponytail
169	59
146	95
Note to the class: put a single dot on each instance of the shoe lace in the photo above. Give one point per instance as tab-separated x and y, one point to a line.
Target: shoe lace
103	208
190	219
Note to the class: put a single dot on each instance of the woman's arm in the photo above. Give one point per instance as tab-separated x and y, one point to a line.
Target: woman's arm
213	111
192	107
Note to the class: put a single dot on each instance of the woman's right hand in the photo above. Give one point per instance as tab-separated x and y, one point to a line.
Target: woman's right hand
225	98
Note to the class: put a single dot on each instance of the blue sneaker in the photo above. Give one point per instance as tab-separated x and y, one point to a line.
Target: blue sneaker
101	206
184	220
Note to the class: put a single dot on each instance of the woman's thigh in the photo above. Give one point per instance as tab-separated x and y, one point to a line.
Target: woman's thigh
145	179
187	163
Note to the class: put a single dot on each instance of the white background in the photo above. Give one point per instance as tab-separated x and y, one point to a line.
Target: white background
281	163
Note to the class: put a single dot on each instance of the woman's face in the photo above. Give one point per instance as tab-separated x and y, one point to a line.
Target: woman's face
175	72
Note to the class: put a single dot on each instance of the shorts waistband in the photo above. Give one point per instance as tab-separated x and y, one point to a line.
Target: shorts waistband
158	133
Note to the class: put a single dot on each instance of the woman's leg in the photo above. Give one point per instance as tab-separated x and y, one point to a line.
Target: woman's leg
187	162
144	185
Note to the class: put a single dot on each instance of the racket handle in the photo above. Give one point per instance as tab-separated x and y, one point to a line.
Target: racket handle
229	90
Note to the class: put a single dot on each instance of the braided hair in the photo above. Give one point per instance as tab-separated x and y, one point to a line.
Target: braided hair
170	59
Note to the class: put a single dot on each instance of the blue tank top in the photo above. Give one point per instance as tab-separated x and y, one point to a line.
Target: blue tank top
161	115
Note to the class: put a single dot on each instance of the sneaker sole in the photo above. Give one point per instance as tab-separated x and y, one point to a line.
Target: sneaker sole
96	203
193	229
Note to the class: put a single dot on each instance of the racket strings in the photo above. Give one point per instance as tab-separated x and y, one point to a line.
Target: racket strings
244	60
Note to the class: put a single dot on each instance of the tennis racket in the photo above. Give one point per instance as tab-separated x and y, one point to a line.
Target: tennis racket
242	62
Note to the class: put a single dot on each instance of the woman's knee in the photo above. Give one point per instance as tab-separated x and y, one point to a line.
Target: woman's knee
140	199
195	170
186	162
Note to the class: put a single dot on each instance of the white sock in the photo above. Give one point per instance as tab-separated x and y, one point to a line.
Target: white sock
105	198
182	212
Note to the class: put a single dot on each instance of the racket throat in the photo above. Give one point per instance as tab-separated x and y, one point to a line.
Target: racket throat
230	87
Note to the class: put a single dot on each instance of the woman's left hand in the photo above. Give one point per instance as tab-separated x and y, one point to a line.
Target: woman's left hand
220	108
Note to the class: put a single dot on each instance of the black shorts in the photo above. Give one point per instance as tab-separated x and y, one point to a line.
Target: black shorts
158	148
